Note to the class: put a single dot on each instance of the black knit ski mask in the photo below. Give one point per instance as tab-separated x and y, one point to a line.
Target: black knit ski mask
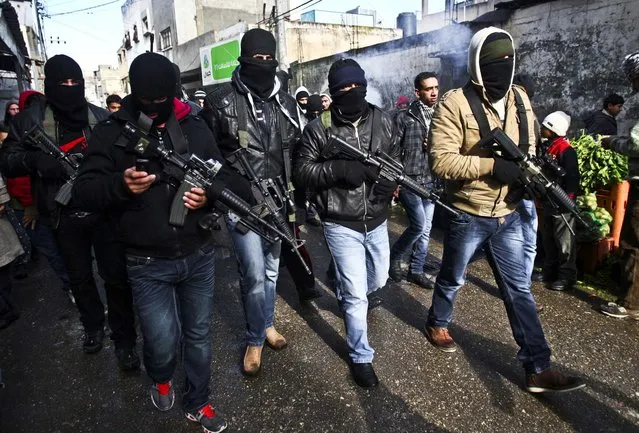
258	74
70	108
348	105
152	78
496	63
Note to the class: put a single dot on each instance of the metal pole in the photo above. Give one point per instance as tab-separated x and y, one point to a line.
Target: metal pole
281	6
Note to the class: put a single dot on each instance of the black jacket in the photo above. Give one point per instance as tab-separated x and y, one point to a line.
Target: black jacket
15	154
601	123
143	220
265	138
313	169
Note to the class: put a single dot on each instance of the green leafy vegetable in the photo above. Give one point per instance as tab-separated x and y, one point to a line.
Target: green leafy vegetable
598	167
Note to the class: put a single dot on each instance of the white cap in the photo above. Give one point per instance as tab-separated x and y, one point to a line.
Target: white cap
200	94
558	122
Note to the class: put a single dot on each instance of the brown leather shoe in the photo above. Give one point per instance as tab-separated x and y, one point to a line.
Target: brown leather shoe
252	360
274	339
440	338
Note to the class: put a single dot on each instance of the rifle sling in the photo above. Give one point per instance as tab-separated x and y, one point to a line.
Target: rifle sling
50	126
477	108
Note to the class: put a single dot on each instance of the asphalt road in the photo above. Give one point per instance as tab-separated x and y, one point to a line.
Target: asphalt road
51	386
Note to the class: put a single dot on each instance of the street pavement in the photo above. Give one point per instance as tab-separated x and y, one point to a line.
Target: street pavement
51	386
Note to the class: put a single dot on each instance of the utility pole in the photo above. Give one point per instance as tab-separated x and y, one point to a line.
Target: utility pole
281	6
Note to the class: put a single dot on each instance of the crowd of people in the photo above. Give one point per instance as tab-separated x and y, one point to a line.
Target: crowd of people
125	190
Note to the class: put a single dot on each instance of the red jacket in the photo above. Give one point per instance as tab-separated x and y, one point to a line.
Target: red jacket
20	187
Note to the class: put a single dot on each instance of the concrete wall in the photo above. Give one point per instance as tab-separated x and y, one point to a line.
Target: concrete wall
218	14
458	14
107	83
163	18
390	67
307	41
573	50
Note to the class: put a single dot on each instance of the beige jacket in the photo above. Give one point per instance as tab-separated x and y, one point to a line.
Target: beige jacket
457	159
10	247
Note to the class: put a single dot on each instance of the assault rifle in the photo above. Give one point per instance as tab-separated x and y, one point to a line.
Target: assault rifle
201	174
273	200
71	163
391	170
532	174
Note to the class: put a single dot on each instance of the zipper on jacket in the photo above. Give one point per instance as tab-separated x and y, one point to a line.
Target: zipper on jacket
359	146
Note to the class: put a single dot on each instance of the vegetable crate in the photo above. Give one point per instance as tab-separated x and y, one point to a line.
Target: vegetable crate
615	200
592	254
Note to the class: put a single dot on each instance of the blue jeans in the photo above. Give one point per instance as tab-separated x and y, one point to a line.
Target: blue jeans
503	242
259	264
361	262
174	299
417	234
528	216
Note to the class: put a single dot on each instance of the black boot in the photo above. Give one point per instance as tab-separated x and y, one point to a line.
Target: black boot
128	359
93	341
395	272
364	375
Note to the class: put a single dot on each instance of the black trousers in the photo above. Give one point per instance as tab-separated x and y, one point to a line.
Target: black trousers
6	301
77	234
560	246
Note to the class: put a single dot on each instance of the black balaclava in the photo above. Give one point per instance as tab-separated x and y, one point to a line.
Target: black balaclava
302	94
152	77
349	105
314	107
257	74
496	69
70	108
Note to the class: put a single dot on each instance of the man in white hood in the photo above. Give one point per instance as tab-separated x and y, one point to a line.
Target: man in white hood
477	184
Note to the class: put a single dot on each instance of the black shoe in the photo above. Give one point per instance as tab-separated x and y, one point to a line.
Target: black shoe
395	272
561	285
364	375
314	221
128	359
551	380
421	280
309	294
93	341
374	301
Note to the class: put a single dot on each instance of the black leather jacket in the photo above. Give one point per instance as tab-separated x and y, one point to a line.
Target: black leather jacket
265	139
14	155
312	168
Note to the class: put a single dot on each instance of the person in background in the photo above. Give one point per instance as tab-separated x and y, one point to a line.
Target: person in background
401	105
301	96
113	102
200	97
12	109
628	306
11	249
604	121
326	101
412	127
314	107
25	210
560	244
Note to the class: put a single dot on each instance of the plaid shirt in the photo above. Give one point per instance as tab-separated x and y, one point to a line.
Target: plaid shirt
413	126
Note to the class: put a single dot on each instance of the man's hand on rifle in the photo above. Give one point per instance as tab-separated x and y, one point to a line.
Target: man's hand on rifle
47	166
352	173
195	199
384	189
138	181
506	172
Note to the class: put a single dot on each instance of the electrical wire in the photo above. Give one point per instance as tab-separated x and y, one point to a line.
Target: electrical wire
84	9
284	13
82	31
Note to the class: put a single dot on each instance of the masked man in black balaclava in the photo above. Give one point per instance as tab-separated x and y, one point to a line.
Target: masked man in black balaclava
477	184
253	116
68	120
170	267
352	202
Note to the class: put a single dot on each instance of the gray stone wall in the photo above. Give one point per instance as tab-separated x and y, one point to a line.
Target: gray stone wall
573	49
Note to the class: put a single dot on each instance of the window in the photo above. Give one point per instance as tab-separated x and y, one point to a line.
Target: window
145	24
165	39
135	33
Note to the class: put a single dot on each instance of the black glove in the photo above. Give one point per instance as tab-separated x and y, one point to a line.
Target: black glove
507	172
383	190
47	166
236	183
352	173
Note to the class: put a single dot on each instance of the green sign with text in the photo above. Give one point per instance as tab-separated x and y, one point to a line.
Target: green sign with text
218	61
